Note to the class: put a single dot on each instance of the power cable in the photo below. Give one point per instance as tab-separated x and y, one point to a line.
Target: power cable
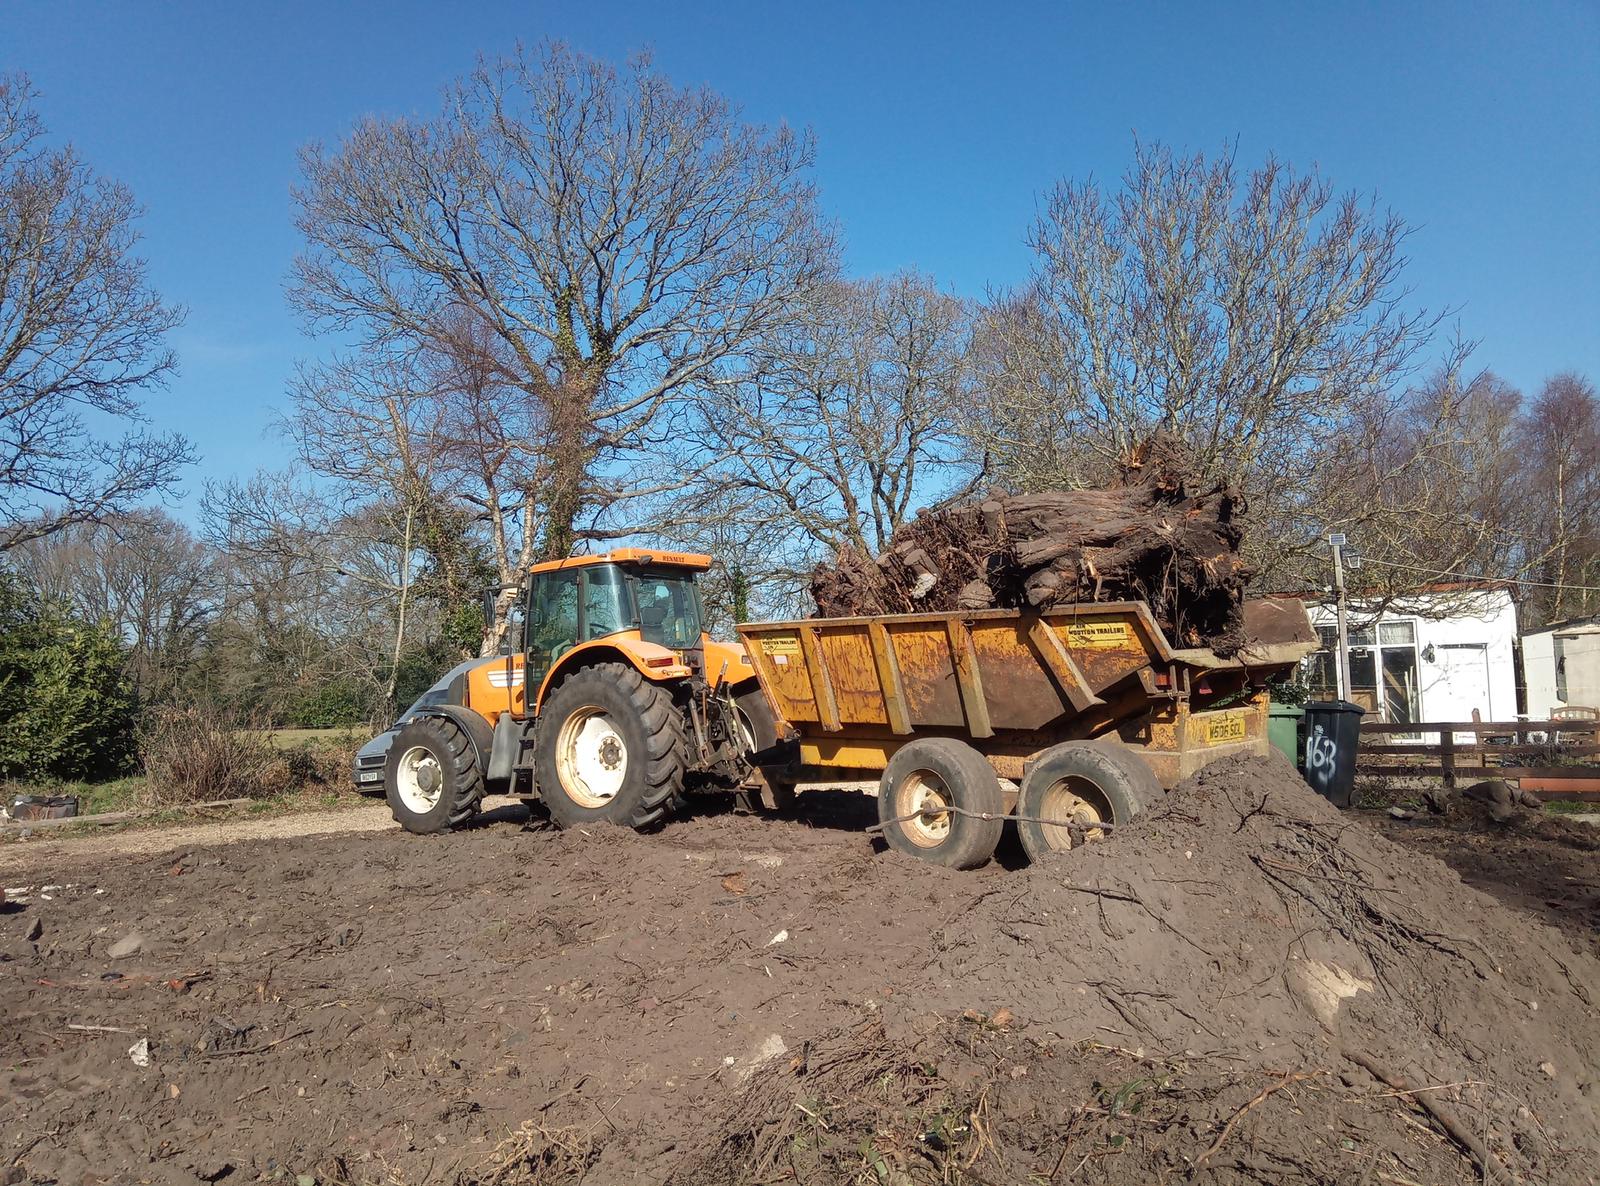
1469	576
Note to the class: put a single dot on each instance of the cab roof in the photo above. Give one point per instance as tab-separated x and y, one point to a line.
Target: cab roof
655	557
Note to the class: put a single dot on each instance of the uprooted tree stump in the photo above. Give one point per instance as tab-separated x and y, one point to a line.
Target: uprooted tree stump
1157	535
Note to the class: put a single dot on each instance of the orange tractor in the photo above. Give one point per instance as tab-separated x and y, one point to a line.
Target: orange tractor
616	704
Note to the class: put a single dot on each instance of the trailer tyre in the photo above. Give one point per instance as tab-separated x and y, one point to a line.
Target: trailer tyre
934	772
1086	783
431	777
610	749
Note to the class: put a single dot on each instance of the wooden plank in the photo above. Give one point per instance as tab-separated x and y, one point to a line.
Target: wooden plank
821	679
1482	727
1447	758
1435	770
967	678
889	683
1381	771
1535	749
1063	666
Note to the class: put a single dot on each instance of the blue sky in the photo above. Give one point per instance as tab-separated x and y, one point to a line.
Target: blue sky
938	126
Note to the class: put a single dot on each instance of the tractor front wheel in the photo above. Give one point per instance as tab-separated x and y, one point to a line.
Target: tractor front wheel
609	749
431	777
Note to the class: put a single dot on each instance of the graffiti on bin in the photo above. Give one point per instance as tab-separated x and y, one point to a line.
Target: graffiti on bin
1321	753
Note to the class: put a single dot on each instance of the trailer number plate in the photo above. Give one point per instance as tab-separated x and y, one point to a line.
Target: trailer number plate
1099	635
781	646
1224	729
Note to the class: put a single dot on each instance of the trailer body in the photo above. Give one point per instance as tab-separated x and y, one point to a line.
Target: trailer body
1013	685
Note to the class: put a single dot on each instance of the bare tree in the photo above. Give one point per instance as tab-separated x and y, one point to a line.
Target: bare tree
494	458
146	575
369	424
1427	486
1558	439
622	238
81	334
844	422
1255	316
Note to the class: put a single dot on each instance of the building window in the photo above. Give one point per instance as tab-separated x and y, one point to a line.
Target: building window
1383	669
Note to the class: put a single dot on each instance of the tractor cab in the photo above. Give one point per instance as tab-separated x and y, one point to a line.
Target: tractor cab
630	596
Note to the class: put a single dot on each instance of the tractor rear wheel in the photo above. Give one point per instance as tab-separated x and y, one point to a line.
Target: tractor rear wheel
1081	784
925	780
431	777
609	749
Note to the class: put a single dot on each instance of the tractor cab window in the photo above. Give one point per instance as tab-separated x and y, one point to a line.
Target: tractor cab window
605	601
669	609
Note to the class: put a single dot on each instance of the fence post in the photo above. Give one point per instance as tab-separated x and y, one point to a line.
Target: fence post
1447	757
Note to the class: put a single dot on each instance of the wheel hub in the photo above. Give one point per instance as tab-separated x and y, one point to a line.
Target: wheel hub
1080	804
591	757
419	780
925	798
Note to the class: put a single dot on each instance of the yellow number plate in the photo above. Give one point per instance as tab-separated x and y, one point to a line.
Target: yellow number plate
789	645
1225	728
1098	635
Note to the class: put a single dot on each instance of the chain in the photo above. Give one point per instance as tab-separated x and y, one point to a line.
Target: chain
932	812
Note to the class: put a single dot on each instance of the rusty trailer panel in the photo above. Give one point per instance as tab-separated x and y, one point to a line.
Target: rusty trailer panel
1013	683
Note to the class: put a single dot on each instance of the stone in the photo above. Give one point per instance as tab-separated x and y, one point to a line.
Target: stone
126	946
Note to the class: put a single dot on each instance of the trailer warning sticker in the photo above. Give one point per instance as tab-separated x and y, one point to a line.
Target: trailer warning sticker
1229	727
782	646
1099	635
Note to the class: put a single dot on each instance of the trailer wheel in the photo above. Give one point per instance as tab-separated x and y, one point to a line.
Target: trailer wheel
1085	783
609	749
940	772
431	777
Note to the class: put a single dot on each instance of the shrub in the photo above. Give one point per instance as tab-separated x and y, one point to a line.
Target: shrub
193	754
67	711
339	702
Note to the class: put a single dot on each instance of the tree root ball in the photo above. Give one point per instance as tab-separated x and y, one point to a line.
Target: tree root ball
1157	534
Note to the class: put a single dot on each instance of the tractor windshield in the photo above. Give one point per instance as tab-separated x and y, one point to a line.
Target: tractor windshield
669	608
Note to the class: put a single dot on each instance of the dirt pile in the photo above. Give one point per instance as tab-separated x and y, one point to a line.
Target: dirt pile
1158	534
1244	980
1243	986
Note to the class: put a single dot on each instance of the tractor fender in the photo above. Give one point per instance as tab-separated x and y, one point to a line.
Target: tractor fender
475	727
656	663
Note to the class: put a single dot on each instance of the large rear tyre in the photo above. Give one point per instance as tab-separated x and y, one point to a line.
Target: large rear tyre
609	749
924	778
431	776
1083	784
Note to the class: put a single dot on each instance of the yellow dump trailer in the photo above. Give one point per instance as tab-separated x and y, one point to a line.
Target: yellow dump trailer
1087	708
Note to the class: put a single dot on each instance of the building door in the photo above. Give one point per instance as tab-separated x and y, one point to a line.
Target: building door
1462	685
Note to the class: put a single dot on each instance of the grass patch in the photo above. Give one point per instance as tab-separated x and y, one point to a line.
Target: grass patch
1568	807
341	736
94	798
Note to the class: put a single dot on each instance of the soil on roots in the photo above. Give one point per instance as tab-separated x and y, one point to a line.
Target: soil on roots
1242	986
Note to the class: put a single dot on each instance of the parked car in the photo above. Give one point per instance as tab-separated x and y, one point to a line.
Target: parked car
367	769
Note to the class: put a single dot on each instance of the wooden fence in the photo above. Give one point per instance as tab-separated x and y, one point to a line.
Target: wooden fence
1563	766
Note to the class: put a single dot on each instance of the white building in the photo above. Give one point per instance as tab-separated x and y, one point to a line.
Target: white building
1561	664
1434	656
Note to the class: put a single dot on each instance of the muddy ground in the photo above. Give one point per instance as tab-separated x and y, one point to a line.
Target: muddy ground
1245	988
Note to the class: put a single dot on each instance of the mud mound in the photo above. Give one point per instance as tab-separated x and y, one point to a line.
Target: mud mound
1243	986
1469	812
1286	985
